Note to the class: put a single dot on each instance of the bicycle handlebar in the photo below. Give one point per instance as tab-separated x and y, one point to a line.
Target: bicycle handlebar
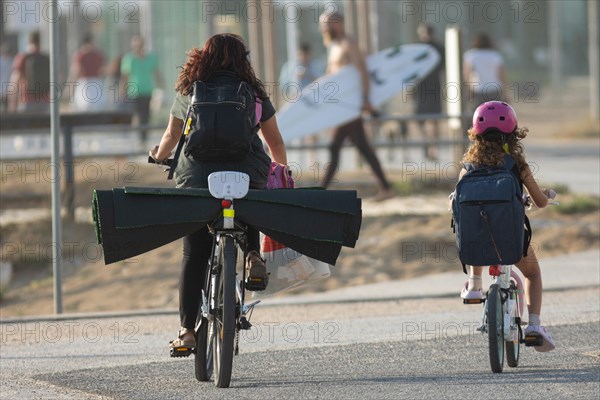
167	162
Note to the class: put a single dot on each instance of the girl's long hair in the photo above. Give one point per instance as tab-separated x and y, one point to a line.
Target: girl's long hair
488	150
222	52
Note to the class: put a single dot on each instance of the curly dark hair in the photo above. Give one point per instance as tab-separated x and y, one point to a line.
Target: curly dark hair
221	52
487	150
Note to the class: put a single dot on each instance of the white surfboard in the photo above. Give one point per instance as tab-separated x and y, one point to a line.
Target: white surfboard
336	98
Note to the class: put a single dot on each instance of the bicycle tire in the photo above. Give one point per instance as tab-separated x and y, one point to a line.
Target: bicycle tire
203	362
513	349
225	315
495	319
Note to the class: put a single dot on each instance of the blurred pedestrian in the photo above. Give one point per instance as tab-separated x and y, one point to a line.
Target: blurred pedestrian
303	72
87	71
343	50
483	68
428	93
31	79
6	63
112	82
139	76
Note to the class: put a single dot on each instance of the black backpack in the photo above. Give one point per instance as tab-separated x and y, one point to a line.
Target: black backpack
37	73
220	122
488	216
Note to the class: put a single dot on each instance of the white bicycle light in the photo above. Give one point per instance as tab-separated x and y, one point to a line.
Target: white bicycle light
228	184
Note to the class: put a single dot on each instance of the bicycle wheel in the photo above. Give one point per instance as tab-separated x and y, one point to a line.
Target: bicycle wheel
224	320
205	335
513	345
495	321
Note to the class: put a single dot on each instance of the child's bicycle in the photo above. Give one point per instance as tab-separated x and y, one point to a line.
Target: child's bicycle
222	313
502	312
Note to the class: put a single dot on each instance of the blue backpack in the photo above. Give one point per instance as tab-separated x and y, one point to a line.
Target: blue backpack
488	216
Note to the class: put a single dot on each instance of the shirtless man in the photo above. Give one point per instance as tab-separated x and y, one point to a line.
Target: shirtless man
344	50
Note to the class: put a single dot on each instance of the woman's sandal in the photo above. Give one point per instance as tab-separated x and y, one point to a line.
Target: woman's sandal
185	343
258	278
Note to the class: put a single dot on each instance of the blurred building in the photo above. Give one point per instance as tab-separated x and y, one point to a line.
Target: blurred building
542	41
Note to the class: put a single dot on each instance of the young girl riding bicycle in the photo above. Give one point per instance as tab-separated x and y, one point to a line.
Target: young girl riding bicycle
494	134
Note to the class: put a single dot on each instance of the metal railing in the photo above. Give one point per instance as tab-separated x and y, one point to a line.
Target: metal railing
69	122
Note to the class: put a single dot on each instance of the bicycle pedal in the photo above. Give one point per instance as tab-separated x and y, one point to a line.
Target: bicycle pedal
181	351
473	301
533	340
256	284
244	324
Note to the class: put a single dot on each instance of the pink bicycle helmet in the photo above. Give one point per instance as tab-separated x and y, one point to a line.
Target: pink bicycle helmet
496	115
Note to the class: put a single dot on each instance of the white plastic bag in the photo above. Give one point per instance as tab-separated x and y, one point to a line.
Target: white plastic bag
289	269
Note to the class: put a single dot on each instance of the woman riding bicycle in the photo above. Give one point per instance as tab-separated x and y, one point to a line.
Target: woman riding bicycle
494	134
223	60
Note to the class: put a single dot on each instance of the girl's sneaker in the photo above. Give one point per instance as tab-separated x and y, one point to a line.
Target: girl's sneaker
547	341
466	294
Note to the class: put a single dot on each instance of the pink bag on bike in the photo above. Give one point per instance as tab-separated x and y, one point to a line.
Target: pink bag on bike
280	177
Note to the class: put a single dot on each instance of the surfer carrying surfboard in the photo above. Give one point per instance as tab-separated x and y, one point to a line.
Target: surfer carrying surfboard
343	50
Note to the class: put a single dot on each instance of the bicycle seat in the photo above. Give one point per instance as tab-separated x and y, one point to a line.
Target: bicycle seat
228	184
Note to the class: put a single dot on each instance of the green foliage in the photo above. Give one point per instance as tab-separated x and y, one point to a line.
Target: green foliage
580	204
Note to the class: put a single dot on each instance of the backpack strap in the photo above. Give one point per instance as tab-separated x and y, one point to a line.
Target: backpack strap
464	268
258	109
511	165
509	162
527	237
184	132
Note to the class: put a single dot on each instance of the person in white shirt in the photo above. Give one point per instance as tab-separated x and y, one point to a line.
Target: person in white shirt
483	69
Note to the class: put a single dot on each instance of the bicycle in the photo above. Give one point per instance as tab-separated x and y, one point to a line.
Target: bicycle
223	312
502	315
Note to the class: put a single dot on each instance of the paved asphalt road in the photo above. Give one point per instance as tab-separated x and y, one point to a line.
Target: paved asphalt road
386	349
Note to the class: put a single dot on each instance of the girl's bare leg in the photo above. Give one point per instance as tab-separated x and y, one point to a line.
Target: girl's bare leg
530	268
